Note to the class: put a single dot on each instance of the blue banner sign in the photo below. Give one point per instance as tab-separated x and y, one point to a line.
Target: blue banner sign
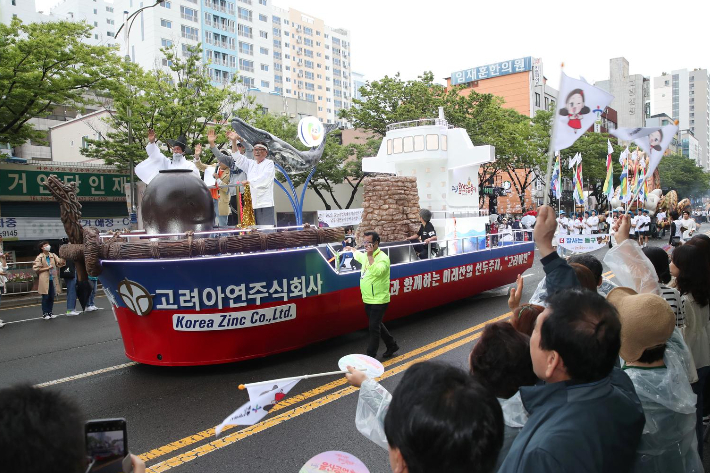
497	69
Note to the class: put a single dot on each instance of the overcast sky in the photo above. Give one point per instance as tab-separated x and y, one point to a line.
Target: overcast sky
390	36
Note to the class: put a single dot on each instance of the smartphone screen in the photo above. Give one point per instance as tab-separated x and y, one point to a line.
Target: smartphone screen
106	444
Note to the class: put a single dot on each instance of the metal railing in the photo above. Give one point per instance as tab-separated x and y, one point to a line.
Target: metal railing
458	246
420	122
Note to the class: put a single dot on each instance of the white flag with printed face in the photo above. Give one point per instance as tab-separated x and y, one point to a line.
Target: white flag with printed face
582	103
653	140
262	398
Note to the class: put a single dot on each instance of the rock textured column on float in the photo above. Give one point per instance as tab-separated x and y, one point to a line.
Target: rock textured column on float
390	207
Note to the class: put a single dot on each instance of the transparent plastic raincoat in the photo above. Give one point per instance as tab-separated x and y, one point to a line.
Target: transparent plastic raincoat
669	443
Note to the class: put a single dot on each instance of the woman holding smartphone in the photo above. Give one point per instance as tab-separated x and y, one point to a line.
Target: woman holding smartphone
46	265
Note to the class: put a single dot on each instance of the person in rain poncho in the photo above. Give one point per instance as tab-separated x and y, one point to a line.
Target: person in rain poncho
157	162
668	443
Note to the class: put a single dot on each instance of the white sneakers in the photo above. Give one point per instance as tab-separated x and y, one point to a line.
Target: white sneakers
2	324
91	308
50	316
72	312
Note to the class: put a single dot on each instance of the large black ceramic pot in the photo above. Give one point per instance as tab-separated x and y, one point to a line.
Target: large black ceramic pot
176	201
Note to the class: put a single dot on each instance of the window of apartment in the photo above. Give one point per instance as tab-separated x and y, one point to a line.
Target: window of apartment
166	5
109	34
310	86
167	63
277	31
188	14
310	98
537	99
309	75
248	81
277	43
264	50
308	52
246	65
166	43
244	14
308	31
278	67
308	64
96	36
265	83
264	34
96	12
166	23
262	2
263	17
246	48
276	19
308	42
188	32
278	78
109	9
109	21
245	31
265	67
96	24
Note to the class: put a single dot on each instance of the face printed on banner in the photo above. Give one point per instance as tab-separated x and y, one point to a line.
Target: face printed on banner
654	140
575	109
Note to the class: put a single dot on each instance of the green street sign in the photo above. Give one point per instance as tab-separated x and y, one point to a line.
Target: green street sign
24	182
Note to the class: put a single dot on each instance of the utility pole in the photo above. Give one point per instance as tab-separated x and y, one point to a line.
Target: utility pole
129	19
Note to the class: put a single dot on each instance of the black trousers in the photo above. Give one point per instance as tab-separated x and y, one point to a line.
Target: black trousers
375	314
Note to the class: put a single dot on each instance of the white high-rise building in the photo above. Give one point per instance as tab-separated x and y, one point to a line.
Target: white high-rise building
25	10
685	96
99	14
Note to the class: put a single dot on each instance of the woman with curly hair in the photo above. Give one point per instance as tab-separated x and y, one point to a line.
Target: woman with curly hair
694	286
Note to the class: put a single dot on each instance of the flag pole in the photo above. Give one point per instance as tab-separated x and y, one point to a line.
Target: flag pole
551	150
293	378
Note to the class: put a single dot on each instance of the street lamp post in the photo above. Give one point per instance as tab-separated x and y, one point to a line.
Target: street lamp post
128	19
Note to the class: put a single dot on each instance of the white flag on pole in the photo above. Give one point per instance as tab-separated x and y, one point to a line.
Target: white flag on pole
262	397
653	140
575	115
575	160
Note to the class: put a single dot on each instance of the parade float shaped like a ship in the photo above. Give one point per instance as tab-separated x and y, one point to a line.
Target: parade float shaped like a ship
186	298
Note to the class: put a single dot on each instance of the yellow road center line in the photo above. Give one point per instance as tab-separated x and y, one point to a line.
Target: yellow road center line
289	401
274	421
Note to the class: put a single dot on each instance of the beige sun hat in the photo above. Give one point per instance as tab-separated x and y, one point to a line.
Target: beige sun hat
647	321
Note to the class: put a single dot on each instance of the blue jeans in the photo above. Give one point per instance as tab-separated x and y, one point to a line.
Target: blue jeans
222	221
216	210
48	299
93	283
71	294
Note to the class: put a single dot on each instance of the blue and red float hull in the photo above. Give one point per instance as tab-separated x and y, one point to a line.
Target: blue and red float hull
209	310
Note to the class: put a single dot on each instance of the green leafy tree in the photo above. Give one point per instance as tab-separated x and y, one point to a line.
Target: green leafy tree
47	64
179	101
680	173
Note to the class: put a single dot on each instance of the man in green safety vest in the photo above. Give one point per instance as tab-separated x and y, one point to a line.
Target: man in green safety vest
375	289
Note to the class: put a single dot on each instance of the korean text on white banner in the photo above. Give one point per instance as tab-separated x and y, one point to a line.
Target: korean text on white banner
262	398
574	115
339	218
653	140
582	243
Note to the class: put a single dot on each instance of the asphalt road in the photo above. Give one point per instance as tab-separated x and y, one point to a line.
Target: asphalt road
170	410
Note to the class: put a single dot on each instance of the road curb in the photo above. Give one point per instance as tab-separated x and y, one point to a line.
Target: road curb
10	302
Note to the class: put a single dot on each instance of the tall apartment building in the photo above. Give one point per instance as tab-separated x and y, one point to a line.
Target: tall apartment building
312	62
631	93
99	14
25	10
685	96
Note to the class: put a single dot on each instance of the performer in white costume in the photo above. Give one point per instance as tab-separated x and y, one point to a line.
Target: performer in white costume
157	162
